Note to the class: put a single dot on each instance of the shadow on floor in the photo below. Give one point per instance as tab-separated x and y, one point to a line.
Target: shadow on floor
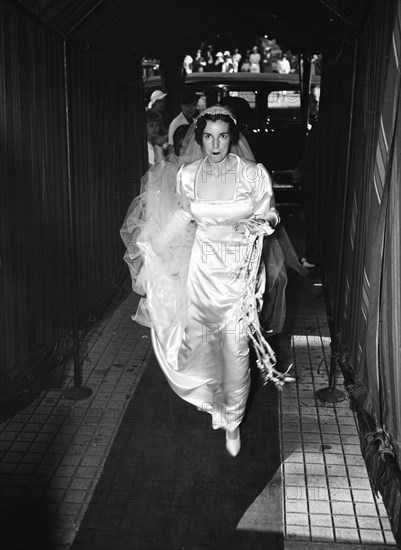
169	483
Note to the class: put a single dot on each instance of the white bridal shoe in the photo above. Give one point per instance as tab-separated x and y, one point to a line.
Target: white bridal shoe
233	442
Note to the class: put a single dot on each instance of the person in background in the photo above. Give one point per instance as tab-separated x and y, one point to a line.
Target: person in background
254	60
236	60
189	106
155	149
199	63
209	68
157	103
218	64
227	66
266	60
157	100
307	173
313	105
283	65
188	64
315	68
246	66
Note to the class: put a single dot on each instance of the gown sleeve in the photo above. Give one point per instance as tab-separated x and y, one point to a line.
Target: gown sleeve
263	197
182	195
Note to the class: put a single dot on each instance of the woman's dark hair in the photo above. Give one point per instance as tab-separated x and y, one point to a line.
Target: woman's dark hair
241	109
152	116
201	125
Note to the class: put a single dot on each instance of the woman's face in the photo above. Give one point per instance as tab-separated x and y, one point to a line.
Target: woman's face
216	140
158	105
189	109
152	129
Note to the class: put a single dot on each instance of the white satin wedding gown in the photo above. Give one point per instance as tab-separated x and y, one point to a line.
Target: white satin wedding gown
193	274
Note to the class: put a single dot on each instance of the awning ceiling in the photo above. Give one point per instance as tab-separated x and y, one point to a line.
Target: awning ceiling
160	26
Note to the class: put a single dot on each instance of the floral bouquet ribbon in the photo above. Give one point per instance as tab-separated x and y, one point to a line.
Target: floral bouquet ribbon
266	361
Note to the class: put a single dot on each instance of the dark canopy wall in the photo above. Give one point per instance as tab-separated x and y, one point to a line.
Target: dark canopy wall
335	116
33	195
365	291
43	189
370	292
107	157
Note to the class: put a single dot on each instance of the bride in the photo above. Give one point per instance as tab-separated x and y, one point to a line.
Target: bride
195	256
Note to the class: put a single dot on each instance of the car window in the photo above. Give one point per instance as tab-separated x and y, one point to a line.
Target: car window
218	96
249	96
284	99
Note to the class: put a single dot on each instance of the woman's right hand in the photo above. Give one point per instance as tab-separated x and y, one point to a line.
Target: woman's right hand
254	226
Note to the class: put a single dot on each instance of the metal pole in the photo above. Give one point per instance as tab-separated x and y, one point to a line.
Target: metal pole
305	90
78	391
331	394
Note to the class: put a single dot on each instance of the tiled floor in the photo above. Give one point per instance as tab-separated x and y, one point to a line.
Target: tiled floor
327	491
52	453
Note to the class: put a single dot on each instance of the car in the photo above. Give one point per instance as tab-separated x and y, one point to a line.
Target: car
150	67
268	108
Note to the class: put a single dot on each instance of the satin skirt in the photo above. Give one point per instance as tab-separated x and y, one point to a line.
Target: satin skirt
205	357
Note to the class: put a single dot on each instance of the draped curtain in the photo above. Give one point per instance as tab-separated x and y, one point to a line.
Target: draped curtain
108	156
370	299
107	144
34	262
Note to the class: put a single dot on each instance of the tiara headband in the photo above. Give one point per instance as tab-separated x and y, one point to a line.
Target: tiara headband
216	110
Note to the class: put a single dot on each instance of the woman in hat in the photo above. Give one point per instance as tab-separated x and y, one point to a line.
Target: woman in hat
201	275
228	66
218	64
157	100
157	104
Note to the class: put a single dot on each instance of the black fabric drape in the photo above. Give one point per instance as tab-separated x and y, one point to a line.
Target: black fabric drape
368	290
107	144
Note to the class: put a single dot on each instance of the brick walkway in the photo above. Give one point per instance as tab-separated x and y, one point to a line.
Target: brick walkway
53	452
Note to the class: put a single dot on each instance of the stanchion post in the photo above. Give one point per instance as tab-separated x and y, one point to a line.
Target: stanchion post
78	391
